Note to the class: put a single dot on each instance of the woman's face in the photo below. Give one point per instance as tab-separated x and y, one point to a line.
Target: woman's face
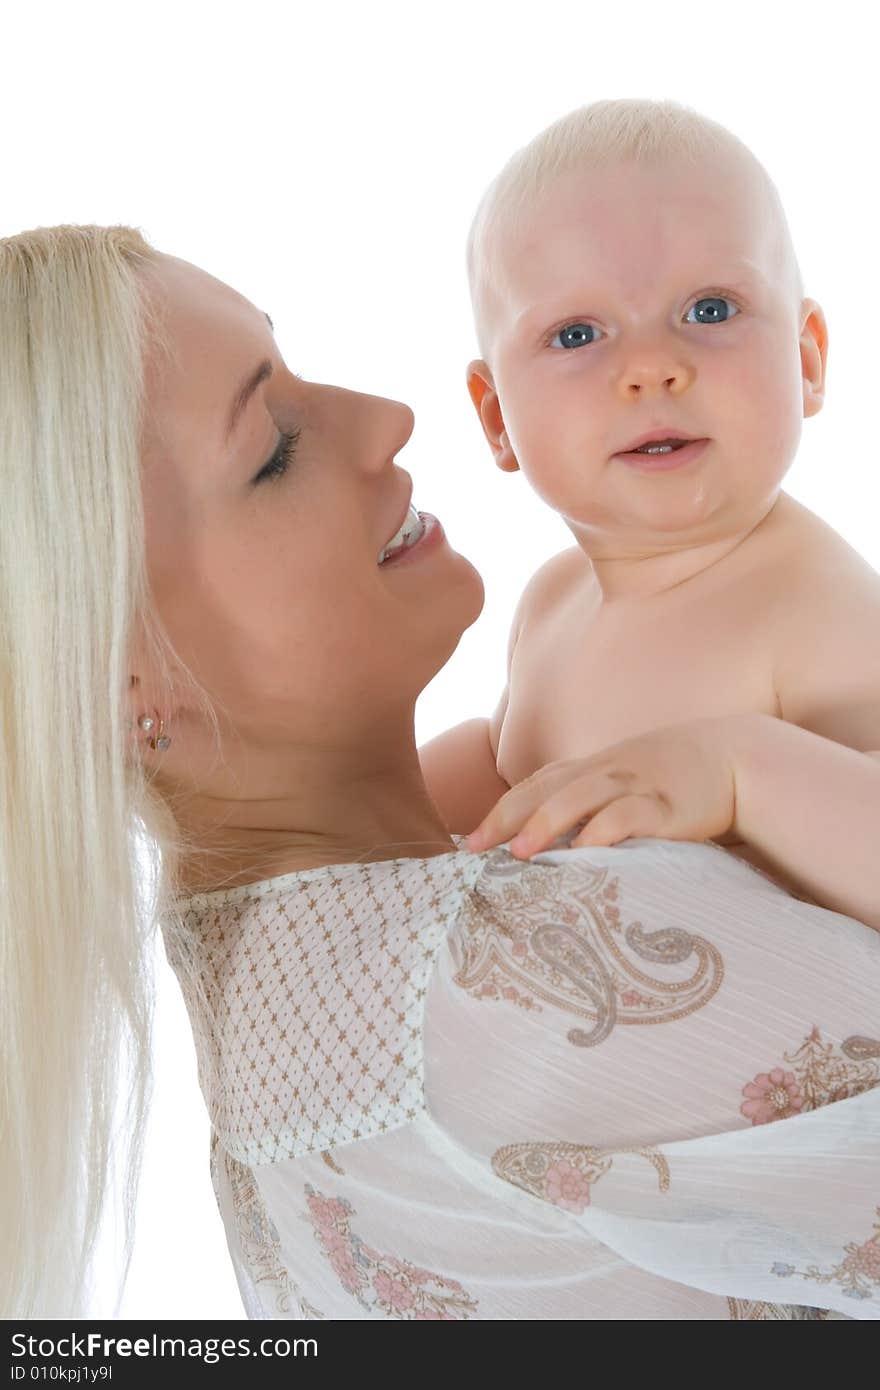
269	586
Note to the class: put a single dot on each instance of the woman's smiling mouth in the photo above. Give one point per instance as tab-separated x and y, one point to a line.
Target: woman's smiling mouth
425	538
410	530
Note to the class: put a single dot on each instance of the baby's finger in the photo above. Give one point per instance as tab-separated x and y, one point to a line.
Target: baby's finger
627	818
512	810
557	814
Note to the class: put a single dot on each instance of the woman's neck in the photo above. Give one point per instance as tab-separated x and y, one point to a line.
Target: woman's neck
325	810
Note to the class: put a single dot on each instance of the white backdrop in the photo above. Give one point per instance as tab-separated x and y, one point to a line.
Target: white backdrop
325	161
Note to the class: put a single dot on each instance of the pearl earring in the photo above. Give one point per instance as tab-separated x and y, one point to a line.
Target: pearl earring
161	740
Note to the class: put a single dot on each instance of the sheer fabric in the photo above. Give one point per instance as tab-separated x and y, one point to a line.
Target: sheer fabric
613	1083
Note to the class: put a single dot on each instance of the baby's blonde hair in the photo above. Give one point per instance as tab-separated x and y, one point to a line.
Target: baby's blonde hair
598	136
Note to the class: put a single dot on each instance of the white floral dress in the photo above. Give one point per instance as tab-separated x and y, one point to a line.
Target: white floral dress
613	1083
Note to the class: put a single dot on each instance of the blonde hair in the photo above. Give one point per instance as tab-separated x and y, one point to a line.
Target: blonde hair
598	136
77	807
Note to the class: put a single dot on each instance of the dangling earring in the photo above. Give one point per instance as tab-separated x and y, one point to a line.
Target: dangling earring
161	740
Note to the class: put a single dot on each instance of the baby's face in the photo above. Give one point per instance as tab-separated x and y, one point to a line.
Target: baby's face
636	299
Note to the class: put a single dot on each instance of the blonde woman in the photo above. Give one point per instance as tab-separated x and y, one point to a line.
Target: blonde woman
628	1081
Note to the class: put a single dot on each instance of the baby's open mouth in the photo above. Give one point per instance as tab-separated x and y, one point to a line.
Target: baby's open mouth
660	446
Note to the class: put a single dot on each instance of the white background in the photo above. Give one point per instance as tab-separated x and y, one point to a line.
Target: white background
326	161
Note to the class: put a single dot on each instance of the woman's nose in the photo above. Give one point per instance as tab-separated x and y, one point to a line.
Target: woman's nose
384	427
369	429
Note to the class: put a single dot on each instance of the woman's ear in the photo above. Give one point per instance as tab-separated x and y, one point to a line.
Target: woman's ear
481	389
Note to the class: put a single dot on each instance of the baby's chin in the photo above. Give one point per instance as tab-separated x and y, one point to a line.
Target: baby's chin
685	517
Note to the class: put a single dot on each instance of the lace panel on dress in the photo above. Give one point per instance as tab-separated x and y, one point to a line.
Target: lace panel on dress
305	1000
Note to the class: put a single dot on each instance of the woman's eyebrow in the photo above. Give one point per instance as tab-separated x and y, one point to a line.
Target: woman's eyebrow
248	387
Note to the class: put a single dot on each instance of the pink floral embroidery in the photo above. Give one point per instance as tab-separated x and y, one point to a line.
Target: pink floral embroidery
259	1239
566	1186
326	1211
772	1096
856	1272
821	1074
382	1282
562	1173
866	1259
393	1291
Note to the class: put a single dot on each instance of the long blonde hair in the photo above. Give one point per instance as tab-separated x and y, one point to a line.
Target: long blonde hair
79	818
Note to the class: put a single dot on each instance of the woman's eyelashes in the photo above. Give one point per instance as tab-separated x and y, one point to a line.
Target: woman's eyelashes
281	459
578	333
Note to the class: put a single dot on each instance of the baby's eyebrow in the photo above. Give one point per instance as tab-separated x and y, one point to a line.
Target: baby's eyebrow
533	314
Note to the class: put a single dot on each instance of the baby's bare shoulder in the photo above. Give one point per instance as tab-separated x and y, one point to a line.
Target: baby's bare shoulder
549	584
553	580
821	576
826	635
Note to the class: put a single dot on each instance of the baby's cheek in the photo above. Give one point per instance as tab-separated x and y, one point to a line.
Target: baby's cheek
562	470
766	440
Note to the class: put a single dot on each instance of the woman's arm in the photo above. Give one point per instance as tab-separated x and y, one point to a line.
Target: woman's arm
813	808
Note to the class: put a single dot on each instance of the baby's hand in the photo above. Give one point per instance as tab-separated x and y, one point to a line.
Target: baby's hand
675	783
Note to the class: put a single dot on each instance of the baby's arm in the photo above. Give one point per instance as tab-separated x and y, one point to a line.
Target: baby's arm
827	658
459	769
808	804
812	806
460	765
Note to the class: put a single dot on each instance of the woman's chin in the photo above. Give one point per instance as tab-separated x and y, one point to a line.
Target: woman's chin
453	611
473	590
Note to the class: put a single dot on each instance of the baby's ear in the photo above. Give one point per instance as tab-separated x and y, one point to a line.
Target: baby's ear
481	389
814	355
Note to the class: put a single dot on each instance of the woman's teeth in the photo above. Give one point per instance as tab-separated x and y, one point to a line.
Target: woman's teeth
411	531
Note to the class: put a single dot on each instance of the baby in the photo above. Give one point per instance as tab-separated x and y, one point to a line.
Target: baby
647	359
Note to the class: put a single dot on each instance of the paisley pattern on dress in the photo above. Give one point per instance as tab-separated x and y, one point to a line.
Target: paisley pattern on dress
861	1049
563	1173
818	1076
744	1310
382	1283
858	1272
258	1237
533	932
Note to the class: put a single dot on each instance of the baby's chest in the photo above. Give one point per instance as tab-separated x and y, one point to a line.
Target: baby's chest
575	689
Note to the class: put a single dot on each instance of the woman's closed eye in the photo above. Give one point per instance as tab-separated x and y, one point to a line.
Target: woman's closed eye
575	334
281	459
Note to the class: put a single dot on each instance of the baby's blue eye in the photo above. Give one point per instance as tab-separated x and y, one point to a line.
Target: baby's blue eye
574	335
712	309
714	313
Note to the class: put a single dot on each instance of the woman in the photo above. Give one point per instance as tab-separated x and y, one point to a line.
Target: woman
429	1091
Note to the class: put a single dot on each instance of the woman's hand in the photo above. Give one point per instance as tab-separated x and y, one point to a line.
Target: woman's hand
675	783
